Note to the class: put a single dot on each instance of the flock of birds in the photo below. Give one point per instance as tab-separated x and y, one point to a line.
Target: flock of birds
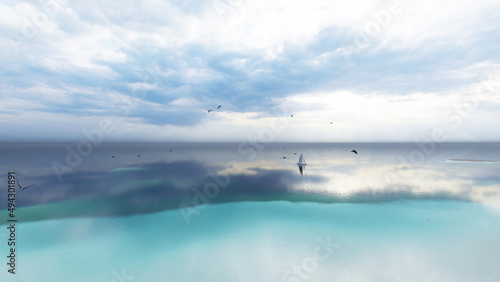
331	122
218	108
284	147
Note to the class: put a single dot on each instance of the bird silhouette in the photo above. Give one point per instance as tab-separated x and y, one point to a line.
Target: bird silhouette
209	111
291	115
354	151
284	157
22	188
138	156
218	107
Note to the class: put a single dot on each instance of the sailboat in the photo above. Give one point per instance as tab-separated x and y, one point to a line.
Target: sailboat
301	164
302	160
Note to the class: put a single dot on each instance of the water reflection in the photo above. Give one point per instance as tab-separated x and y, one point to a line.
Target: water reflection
301	169
163	179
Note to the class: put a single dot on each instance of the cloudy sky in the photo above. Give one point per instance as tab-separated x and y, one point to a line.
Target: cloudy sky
347	70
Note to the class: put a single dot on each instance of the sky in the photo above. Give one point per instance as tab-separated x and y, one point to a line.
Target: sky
347	70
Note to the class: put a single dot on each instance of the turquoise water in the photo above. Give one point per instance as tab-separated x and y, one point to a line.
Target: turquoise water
262	241
347	217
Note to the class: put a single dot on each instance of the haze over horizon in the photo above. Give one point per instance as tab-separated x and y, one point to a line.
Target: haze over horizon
348	71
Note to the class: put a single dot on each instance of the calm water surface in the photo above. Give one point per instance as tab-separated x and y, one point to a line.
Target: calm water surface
247	212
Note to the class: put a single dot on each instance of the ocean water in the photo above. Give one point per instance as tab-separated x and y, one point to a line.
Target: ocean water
246	212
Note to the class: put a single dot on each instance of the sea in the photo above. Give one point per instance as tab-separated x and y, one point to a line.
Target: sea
83	211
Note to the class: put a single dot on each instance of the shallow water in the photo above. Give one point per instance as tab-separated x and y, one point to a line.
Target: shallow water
242	212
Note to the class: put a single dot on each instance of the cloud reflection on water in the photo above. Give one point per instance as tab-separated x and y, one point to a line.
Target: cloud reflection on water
161	180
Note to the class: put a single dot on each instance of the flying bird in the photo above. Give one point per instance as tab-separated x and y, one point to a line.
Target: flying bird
354	151
112	156
331	122
138	156
209	111
219	107
284	157
291	115
22	188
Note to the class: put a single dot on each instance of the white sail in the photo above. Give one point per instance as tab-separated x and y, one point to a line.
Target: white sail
302	160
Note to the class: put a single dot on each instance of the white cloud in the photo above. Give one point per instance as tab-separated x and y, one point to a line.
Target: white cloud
426	24
257	54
